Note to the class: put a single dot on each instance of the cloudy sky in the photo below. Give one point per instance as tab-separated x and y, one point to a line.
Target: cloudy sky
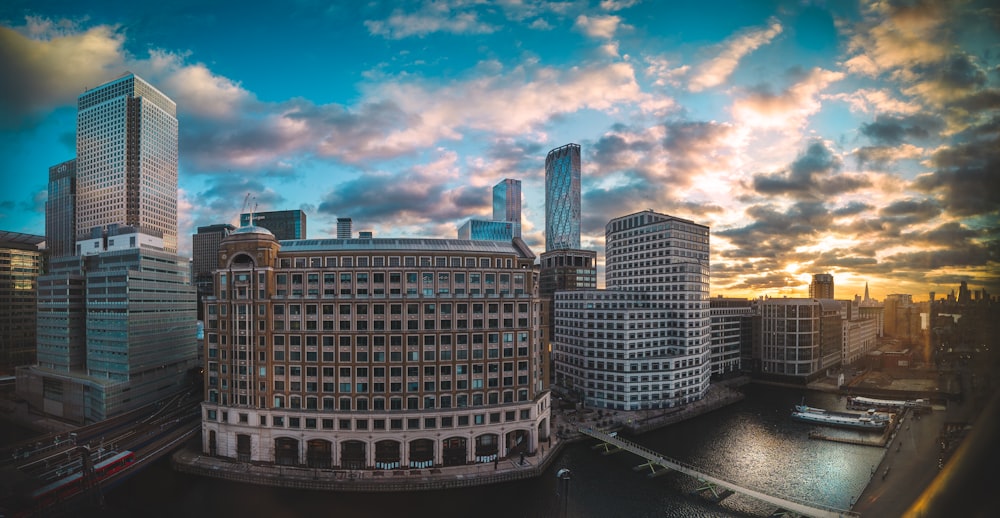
860	139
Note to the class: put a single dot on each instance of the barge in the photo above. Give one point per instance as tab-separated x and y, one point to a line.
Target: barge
870	420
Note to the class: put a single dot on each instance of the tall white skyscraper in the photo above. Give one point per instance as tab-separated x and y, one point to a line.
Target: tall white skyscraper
657	277
117	321
507	203
126	144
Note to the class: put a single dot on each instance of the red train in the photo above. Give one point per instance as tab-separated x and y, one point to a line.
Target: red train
71	485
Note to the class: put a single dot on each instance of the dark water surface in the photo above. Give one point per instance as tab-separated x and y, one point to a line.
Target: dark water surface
753	442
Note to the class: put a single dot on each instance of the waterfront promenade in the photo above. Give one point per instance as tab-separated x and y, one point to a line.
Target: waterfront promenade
566	424
910	468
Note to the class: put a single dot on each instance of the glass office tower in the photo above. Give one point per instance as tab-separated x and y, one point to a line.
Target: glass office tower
284	224
126	145
507	203
562	198
21	262
60	210
482	230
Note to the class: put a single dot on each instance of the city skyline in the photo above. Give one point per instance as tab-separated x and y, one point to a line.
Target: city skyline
856	140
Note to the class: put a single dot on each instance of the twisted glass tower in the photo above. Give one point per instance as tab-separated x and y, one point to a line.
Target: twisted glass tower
562	198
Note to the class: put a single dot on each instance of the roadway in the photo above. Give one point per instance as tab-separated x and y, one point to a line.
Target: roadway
912	461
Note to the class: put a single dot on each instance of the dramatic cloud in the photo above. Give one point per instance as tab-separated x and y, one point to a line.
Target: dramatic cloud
966	179
870	152
664	72
954	77
812	176
404	117
196	90
598	26
417	196
617	5
432	17
898	36
867	100
882	157
226	194
511	103
46	64
786	110
891	131
715	71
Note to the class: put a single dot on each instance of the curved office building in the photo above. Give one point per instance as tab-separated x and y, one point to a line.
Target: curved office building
645	341
562	198
372	353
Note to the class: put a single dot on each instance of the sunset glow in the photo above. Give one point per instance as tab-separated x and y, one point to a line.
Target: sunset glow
857	139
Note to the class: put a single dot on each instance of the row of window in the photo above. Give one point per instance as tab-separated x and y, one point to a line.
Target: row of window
399	423
391	261
361	309
362	341
428	402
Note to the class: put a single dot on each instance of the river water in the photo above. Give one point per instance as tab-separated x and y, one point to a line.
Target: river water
753	442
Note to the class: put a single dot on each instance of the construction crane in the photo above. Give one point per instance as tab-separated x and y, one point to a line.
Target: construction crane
246	203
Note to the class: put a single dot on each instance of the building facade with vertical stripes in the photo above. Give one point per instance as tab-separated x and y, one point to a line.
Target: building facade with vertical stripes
644	342
126	166
373	353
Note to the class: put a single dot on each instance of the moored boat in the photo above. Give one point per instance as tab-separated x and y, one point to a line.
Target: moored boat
860	402
870	420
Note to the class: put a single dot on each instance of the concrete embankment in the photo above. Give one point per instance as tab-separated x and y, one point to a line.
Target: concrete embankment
507	470
190	460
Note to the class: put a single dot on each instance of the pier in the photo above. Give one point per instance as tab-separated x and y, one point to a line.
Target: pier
657	464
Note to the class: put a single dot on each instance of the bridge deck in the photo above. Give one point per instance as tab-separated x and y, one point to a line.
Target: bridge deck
786	503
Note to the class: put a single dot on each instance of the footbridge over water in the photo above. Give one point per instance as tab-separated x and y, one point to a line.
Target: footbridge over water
712	482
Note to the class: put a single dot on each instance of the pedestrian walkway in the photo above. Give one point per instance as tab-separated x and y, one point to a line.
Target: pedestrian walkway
909	463
655	460
641	421
189	460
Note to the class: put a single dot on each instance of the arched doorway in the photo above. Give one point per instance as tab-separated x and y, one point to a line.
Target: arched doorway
486	447
455	451
243	447
319	454
352	455
421	453
212	444
387	455
286	451
518	442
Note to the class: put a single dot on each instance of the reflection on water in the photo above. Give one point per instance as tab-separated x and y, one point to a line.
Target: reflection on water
756	443
753	442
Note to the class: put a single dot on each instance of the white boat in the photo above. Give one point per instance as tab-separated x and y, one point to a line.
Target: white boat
870	420
857	402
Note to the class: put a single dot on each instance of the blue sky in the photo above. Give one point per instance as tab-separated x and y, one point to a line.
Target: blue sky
860	139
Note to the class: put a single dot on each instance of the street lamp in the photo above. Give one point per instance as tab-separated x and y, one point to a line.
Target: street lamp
565	475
